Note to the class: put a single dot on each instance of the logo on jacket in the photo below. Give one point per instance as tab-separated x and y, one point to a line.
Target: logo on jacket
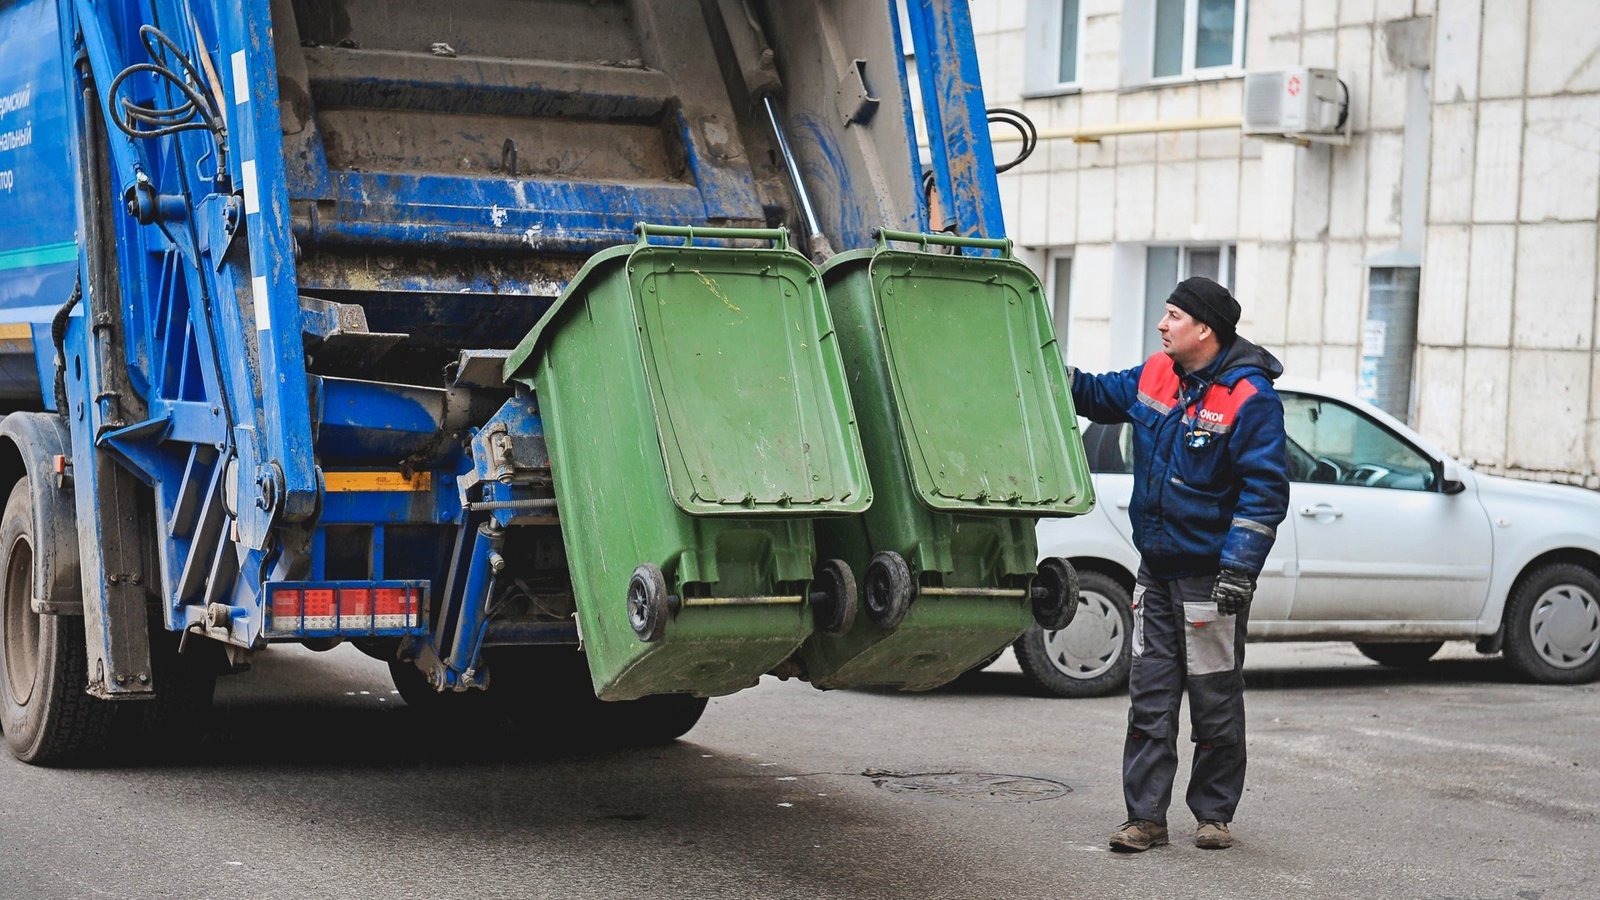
1198	440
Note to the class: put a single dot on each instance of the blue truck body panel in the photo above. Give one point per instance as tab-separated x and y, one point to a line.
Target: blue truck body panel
38	244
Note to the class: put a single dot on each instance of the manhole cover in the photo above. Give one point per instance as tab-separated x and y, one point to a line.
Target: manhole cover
973	787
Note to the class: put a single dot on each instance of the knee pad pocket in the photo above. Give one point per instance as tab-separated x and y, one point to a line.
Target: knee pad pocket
1216	711
1150	721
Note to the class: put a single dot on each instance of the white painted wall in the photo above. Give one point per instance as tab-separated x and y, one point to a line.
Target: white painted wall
1498	104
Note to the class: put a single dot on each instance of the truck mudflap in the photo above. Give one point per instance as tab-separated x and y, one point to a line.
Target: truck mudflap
698	422
970	437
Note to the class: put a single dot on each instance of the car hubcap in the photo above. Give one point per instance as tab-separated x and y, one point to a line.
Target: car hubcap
1565	626
21	623
1092	644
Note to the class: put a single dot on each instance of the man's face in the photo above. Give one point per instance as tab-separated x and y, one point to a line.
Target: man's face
1186	339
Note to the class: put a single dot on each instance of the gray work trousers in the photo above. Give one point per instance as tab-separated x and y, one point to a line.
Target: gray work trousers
1180	641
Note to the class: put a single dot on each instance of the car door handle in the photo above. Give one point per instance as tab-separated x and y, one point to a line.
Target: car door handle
1321	509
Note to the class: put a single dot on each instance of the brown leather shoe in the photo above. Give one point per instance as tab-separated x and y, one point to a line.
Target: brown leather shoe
1213	836
1138	835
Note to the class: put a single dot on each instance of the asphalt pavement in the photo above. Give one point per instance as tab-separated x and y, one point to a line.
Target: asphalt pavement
313	780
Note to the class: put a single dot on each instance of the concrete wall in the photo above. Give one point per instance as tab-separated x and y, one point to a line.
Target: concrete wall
1476	150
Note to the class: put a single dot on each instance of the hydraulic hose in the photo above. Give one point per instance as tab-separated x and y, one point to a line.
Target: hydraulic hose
58	337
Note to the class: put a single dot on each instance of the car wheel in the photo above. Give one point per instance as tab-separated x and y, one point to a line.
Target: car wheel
1090	657
1552	630
1400	656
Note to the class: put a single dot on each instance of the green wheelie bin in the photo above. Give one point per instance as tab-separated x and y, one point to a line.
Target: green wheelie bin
970	435
694	405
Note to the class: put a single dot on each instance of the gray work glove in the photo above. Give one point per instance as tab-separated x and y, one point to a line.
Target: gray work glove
1232	591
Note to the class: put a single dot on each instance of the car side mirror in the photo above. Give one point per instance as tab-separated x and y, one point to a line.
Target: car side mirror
1451	482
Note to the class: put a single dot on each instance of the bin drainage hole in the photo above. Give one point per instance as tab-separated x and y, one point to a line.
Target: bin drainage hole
973	787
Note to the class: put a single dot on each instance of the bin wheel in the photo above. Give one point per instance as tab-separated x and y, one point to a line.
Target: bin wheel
647	602
1055	594
888	589
833	596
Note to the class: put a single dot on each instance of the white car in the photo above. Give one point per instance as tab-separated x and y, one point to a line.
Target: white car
1388	543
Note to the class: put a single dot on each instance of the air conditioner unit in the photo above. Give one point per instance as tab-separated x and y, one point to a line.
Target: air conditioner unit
1296	103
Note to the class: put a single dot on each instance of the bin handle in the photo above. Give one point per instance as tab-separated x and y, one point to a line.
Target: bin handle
884	236
778	236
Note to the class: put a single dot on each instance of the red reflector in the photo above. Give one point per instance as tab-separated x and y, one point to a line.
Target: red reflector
58	464
286	608
319	608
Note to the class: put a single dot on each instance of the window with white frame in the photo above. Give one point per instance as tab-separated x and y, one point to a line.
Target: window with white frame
1054	50
1164	267
1058	287
1190	36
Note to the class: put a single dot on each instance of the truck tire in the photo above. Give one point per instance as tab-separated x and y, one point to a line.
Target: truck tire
185	683
1091	657
545	691
648	721
45	710
421	696
1552	625
1409	655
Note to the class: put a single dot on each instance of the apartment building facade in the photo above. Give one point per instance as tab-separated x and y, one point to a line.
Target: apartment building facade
1442	262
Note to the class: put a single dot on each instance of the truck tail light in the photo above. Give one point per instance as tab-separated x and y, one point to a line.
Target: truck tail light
344	608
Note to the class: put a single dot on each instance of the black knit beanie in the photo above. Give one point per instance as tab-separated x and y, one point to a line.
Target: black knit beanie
1210	303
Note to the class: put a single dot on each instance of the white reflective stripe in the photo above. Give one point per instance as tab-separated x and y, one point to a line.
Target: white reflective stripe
1138	620
258	286
1257	527
241	80
252	191
1154	404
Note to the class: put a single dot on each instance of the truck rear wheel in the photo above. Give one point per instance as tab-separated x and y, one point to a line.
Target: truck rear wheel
647	721
45	710
546	690
427	700
185	683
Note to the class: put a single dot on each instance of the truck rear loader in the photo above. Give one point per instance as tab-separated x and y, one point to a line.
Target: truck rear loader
580	359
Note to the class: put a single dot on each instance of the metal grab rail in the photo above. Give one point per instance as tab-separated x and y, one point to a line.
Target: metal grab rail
883	236
778	236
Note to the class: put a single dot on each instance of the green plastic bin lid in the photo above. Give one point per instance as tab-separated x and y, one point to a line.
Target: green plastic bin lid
984	408
750	403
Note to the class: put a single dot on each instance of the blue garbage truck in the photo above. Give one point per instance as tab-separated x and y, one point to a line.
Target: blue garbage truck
489	337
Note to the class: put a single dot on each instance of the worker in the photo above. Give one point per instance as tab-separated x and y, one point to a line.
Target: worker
1210	487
